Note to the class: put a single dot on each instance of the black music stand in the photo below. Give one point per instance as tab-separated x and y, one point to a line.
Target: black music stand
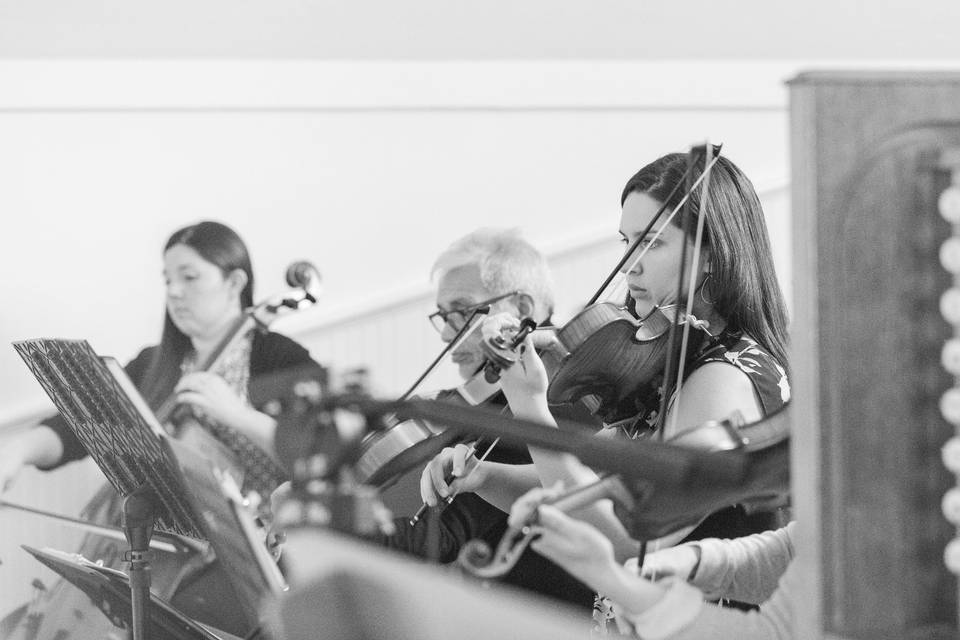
110	591
215	497
122	435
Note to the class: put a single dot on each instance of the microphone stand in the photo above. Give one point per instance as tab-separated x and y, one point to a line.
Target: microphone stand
139	515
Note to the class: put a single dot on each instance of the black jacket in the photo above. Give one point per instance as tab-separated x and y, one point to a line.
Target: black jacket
269	353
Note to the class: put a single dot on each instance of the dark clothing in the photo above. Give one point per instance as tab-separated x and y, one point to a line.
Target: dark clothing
202	591
470	517
270	353
772	389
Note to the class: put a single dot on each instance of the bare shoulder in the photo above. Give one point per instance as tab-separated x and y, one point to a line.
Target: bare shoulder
713	392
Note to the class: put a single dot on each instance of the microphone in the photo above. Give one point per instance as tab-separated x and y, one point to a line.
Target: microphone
304	275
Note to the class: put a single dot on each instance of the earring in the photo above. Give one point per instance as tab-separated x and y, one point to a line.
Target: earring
703	287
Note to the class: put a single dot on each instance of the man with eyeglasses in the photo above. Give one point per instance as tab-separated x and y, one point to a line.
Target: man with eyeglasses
492	271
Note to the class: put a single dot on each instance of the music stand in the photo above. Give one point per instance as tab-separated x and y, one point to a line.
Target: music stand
215	497
110	591
108	415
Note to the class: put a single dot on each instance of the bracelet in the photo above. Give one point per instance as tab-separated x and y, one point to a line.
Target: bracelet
696	565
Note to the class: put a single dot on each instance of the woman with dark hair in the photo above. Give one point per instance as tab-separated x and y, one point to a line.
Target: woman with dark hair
739	284
209	282
735	363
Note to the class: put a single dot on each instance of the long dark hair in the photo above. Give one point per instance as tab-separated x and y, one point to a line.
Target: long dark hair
220	245
743	283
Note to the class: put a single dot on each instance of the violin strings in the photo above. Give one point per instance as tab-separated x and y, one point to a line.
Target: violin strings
691	287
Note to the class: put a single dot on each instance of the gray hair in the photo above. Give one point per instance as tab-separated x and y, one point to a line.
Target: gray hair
506	262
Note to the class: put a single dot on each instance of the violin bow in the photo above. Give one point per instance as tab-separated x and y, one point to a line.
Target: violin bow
691	281
693	158
471	325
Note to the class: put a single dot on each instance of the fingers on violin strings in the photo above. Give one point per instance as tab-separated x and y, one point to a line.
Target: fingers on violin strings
554	491
548	544
553	518
524	506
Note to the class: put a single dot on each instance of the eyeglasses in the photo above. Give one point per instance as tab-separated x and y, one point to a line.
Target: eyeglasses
456	319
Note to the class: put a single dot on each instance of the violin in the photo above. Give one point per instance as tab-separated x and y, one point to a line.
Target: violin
388	453
605	353
475	556
188	578
600	357
608	353
651	509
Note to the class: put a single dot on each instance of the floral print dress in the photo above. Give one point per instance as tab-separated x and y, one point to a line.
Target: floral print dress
771	384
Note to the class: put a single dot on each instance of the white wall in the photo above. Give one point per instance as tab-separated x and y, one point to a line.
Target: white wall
475	29
369	170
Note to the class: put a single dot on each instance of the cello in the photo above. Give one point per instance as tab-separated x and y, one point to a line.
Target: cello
187	577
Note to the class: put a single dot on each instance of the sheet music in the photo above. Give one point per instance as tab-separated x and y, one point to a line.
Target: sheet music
109	590
113	422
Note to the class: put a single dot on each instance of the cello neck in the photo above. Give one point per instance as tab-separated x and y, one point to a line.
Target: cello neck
239	328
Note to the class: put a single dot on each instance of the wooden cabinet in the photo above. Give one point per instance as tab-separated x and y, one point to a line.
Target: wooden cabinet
871	152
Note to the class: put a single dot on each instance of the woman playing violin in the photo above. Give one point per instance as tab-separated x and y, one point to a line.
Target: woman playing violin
737	357
209	282
667	598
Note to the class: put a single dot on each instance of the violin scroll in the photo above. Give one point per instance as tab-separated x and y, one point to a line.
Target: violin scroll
500	351
475	556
